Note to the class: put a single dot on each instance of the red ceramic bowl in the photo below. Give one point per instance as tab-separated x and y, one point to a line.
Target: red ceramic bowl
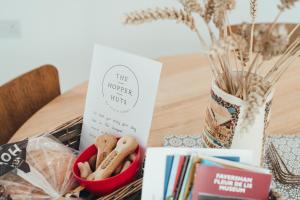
108	185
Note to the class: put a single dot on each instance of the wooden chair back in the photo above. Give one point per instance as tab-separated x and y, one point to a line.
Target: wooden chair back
23	96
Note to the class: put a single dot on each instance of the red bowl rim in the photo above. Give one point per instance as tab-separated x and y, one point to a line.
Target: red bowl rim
137	159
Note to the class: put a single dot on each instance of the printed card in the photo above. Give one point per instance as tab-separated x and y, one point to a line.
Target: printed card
121	95
222	183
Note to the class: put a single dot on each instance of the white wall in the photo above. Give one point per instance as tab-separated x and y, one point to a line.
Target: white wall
62	32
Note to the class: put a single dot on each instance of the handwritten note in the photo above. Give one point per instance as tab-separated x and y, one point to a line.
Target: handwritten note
121	95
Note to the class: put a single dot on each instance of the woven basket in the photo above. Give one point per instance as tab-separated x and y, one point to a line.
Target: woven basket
69	134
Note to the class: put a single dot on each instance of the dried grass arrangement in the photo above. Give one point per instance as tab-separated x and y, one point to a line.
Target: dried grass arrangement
246	63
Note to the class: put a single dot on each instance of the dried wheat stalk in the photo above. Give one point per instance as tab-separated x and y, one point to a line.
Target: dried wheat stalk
253	10
293	31
256	96
290	53
143	16
209	10
286	4
179	15
220	8
283	6
219	14
274	44
192	6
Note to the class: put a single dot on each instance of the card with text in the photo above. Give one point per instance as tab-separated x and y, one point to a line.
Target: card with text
121	95
224	183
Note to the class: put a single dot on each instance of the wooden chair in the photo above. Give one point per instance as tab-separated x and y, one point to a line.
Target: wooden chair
23	96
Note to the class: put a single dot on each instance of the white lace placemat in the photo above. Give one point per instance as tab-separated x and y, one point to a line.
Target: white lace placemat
287	146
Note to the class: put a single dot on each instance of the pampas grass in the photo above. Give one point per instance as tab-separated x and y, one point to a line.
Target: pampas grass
237	58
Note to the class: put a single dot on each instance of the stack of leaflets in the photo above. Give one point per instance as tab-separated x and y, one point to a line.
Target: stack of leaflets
203	174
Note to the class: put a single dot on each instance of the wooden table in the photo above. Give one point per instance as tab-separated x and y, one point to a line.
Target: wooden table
181	101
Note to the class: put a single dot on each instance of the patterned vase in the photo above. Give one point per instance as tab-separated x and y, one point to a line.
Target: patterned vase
222	127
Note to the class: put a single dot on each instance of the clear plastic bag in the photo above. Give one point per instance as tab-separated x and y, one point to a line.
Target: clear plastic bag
50	174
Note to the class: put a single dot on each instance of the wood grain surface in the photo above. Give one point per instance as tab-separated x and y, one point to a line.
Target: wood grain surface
181	101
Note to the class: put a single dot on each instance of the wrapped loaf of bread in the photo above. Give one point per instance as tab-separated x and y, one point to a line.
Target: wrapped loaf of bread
17	188
50	171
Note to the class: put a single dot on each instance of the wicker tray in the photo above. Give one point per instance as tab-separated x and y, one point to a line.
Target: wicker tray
69	134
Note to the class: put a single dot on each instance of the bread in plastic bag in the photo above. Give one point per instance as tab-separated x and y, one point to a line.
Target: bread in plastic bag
17	188
50	173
